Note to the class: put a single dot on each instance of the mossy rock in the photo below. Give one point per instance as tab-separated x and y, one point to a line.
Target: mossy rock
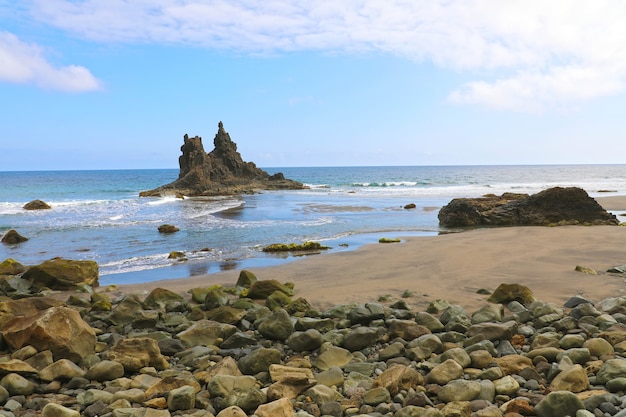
12	237
15	286
294	247
388	240
37	205
505	293
215	298
300	305
264	288
162	297
198	294
168	228
410	206
176	255
246	278
585	270
226	314
276	300
11	267
63	274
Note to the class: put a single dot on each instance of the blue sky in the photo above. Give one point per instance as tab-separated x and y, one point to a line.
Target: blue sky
107	84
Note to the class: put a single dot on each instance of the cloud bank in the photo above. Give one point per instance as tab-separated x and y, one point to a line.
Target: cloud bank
25	63
518	55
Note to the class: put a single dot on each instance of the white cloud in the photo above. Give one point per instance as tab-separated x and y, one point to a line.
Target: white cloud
523	54
25	63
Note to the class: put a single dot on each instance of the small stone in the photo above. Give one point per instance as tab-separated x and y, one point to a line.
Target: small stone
331	357
616	384
376	396
598	346
232	411
105	371
445	372
322	394
612	368
459	390
62	369
259	361
56	410
278	408
308	340
398	378
506	385
585	270
183	398
360	338
277	326
559	404
17	385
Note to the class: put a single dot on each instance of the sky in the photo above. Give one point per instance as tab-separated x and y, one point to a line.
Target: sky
116	84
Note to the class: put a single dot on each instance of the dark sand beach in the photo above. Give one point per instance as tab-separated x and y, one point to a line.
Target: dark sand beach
453	266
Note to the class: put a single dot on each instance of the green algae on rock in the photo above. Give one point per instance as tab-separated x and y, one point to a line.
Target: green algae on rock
294	247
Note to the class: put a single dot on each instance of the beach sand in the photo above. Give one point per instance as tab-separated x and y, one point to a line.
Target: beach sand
452	267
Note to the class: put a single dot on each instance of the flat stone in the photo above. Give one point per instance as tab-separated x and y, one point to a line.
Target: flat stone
459	390
445	372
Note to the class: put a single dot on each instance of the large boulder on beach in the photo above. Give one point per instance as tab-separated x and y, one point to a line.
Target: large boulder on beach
11	267
219	172
58	329
554	206
63	274
25	307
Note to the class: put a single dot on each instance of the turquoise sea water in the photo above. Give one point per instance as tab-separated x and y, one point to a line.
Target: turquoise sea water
98	215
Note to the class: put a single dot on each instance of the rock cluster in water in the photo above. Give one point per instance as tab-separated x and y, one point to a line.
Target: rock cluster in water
554	206
220	172
254	350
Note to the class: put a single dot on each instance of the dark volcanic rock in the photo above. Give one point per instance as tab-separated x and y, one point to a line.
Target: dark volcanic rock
552	206
37	205
12	237
220	172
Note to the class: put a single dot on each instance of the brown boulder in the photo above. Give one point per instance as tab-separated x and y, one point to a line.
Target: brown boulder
137	353
12	237
398	378
58	329
264	288
220	172
167	228
37	205
25	307
505	293
63	274
556	206
11	267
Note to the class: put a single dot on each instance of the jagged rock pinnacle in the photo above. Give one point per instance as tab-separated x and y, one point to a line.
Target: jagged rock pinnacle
220	172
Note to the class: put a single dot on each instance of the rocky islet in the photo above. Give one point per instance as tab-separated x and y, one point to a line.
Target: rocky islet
217	352
219	172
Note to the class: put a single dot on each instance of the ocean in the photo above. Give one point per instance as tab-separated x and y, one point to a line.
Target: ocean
98	215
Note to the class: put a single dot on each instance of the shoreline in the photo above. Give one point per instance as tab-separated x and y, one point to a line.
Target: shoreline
541	258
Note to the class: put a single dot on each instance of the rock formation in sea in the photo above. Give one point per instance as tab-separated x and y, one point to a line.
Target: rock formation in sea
219	172
37	205
554	206
12	237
